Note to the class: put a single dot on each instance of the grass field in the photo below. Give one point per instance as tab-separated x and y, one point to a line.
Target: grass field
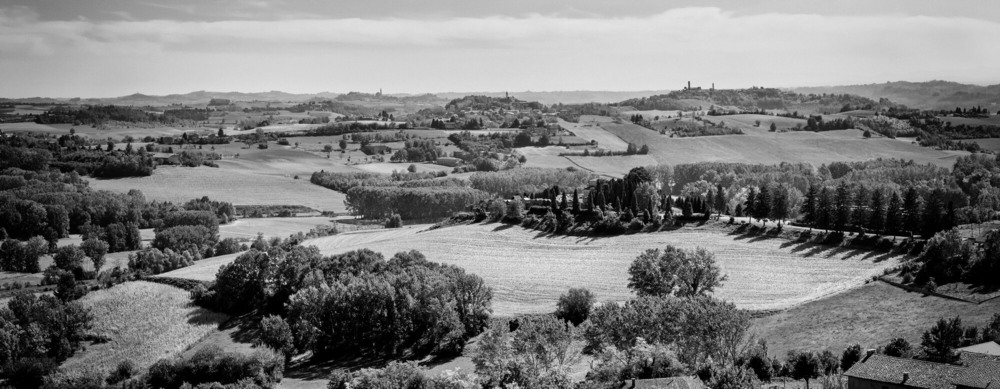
145	322
238	186
545	157
773	147
615	167
991	144
528	270
870	315
270	227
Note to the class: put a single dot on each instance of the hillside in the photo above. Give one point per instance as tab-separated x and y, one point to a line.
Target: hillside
528	270
751	99
564	97
926	95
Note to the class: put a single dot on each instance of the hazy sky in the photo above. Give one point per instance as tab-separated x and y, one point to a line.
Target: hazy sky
103	48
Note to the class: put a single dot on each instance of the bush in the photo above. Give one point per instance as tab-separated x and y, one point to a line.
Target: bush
195	239
574	306
153	261
125	370
227	246
636	225
276	334
211	364
394	221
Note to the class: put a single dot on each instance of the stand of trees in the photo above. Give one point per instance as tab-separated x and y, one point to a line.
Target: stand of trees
411	203
351	303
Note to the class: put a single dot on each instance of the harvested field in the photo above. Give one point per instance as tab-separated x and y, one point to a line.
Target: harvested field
389	167
145	322
238	186
615	167
528	270
870	315
545	157
203	270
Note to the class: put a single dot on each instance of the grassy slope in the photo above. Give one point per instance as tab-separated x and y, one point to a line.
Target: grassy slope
145	322
528	270
870	315
238	186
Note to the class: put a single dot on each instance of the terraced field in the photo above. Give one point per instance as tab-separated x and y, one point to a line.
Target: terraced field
528	270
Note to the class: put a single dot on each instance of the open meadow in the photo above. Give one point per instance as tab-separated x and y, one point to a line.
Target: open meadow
528	270
870	315
143	322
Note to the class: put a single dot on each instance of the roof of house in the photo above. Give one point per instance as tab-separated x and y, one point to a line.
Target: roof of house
981	371
667	383
922	374
988	348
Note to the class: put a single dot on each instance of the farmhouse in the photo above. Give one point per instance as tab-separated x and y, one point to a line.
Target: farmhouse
166	158
876	371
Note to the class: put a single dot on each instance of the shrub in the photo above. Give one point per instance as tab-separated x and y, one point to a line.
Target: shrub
636	225
152	261
276	334
574	306
394	221
125	370
69	258
227	246
195	239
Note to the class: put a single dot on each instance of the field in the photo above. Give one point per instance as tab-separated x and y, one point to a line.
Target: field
528	270
280	227
389	167
870	315
238	186
616	166
991	144
591	132
116	132
774	147
145	322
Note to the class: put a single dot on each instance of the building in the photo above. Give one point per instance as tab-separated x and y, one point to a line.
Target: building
988	348
166	158
974	371
664	383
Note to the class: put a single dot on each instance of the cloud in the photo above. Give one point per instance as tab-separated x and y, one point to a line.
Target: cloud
787	49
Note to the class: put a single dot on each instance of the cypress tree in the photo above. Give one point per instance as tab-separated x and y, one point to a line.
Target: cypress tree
809	205
932	215
576	201
751	202
861	203
842	207
618	204
710	202
913	206
720	199
739	210
779	204
668	203
894	213
824	209
876	220
762	205
563	205
688	209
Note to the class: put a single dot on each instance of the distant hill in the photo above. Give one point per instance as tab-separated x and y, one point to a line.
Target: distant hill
565	97
751	99
925	95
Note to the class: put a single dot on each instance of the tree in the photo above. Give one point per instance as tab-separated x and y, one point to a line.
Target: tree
824	209
894	213
913	206
67	288
809	204
412	168
689	272
343	144
852	354
804	365
862	200
898	347
762	204
69	258
575	305
774	127
939	343
842	207
576	201
720	199
537	355
95	249
276	334
876	219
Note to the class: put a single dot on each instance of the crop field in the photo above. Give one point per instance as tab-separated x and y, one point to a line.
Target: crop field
145	322
238	186
591	132
870	315
528	270
203	270
774	148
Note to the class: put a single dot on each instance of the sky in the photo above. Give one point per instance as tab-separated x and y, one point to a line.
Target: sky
108	48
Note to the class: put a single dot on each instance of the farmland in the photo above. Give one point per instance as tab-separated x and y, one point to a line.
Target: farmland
143	322
870	315
528	270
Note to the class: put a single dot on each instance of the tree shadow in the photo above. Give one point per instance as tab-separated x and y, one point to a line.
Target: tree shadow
311	368
503	227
